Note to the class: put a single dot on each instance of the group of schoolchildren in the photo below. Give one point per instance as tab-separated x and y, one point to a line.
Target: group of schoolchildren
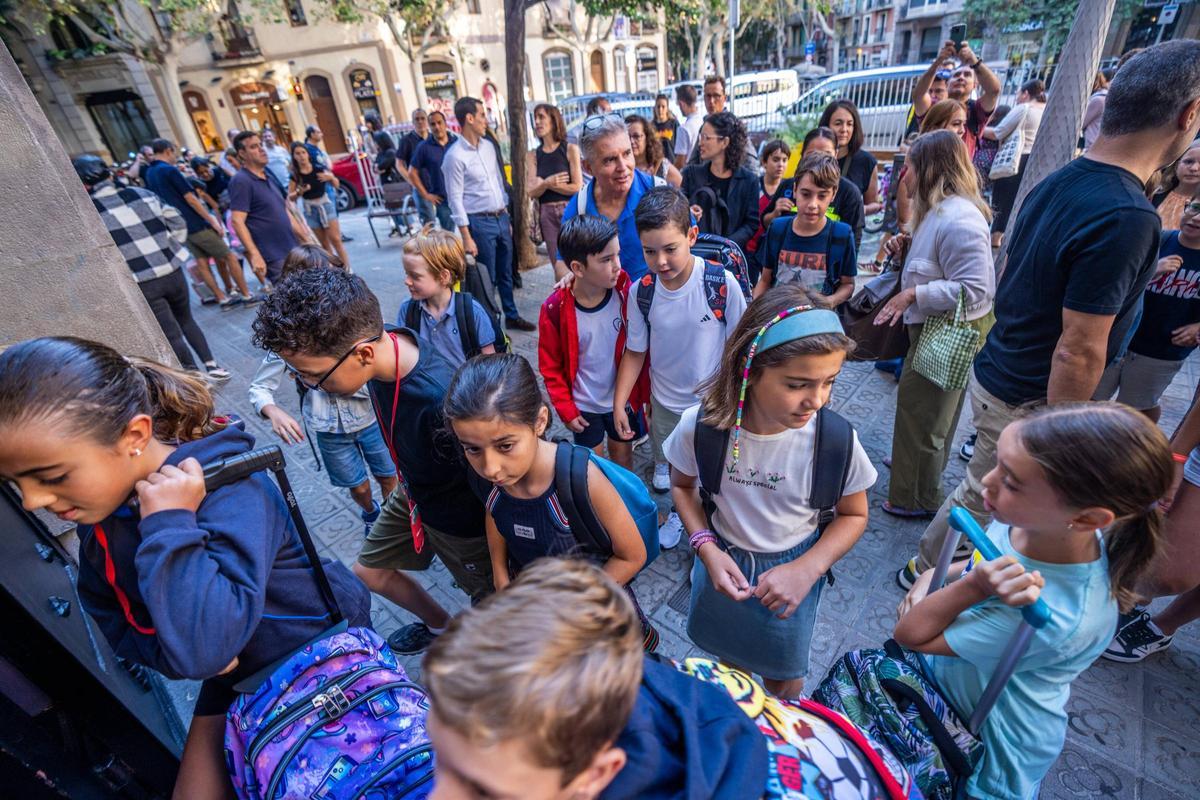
542	689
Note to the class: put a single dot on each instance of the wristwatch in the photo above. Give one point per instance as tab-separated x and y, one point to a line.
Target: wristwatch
978	61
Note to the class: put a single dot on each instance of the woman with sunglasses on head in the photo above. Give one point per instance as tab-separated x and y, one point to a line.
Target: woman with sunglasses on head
308	183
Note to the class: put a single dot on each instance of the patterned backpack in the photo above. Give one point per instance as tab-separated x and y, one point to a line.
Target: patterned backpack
813	752
338	718
726	253
887	694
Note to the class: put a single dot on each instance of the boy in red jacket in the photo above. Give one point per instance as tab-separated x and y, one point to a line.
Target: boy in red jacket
581	337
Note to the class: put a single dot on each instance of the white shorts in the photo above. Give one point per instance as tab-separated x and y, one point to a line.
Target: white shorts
1138	381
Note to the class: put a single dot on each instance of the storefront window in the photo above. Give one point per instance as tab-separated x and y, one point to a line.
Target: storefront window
202	121
122	120
619	70
441	89
258	107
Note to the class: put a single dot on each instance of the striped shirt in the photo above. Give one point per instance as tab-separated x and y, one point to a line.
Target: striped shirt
149	234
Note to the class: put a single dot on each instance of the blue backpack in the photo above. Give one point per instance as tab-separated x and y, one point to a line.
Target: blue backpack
571	486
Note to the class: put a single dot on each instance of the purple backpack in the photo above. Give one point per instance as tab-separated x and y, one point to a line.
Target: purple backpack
338	720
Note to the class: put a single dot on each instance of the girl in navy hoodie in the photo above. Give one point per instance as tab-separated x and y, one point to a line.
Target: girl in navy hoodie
210	587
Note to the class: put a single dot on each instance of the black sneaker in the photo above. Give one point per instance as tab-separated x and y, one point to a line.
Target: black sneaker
411	639
967	451
519	324
1136	640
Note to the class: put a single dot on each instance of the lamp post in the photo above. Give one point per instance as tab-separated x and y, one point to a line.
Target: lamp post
734	10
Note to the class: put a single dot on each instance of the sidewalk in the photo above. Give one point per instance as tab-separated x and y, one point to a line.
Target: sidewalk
1134	730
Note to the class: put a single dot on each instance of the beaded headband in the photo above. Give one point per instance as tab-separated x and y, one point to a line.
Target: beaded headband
794	323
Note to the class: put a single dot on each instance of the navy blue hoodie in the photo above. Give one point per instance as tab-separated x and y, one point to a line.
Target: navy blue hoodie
229	580
688	740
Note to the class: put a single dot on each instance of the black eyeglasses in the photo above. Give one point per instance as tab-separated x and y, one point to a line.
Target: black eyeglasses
312	387
596	120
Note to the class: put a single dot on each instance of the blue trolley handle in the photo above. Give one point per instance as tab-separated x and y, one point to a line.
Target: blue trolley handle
1035	615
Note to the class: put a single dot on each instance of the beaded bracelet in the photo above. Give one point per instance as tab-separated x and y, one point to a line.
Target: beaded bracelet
701	538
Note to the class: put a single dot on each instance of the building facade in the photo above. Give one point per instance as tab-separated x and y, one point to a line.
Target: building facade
865	31
301	70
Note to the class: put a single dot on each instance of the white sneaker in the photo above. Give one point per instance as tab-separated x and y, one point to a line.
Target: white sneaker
670	532
662	478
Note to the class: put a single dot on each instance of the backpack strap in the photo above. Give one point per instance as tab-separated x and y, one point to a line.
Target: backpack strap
412	315
464	318
716	290
581	199
775	236
645	295
835	250
710	445
571	487
833	448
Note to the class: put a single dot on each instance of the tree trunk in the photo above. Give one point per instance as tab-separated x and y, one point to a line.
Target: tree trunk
1059	133
514	70
703	50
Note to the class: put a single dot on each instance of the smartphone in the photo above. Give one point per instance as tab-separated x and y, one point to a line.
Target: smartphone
958	34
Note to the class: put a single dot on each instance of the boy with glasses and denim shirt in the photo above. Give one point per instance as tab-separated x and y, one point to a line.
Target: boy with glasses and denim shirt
327	326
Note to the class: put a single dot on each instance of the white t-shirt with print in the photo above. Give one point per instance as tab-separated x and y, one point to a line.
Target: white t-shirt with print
685	340
597	371
763	502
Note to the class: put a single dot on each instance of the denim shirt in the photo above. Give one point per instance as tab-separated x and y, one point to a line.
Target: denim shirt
323	412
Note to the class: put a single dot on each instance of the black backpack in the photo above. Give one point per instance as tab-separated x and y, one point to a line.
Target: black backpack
463	321
833	449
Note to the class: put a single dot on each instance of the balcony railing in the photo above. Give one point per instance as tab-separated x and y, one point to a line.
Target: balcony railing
234	45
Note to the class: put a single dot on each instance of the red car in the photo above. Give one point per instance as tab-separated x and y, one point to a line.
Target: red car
351	191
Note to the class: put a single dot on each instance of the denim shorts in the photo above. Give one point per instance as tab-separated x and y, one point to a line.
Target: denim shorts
344	455
747	633
601	424
318	213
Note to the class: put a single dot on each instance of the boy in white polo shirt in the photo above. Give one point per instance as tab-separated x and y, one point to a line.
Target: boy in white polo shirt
686	308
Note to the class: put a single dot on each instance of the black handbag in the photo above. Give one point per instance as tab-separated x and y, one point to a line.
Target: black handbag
875	342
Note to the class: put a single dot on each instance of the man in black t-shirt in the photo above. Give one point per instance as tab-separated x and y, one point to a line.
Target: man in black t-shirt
1081	252
404	155
327	326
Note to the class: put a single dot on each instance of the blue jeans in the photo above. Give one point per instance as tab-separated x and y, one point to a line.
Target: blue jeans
424	207
442	210
347	456
493	236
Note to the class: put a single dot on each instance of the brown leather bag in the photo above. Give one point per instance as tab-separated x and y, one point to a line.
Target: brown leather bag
875	342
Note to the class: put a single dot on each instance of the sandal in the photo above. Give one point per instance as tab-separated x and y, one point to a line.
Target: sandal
906	513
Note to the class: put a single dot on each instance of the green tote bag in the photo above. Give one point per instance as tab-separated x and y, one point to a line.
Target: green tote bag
947	347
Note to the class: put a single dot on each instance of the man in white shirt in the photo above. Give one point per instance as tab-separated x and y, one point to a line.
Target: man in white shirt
479	203
688	135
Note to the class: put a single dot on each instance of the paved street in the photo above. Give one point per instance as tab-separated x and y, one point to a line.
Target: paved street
1134	730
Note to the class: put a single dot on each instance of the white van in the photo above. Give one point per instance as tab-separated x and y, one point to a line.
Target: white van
883	97
758	98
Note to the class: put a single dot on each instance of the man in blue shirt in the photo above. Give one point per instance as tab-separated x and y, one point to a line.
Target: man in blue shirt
259	210
615	189
205	234
425	169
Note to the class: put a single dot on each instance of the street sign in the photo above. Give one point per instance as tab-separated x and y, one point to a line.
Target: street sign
1168	13
810	47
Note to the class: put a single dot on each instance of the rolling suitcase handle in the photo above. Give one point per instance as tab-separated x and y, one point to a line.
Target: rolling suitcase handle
1035	615
234	468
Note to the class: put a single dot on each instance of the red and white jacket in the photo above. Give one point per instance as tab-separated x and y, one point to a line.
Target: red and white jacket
558	350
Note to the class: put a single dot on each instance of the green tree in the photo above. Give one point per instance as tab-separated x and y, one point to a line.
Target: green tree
1055	17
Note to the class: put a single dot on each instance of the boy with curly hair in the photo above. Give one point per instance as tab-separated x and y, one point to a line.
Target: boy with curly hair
327	327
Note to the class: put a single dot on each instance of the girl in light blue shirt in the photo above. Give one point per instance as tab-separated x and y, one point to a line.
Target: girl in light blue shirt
1075	496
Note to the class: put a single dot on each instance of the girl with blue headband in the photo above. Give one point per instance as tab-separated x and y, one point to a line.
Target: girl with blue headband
750	450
